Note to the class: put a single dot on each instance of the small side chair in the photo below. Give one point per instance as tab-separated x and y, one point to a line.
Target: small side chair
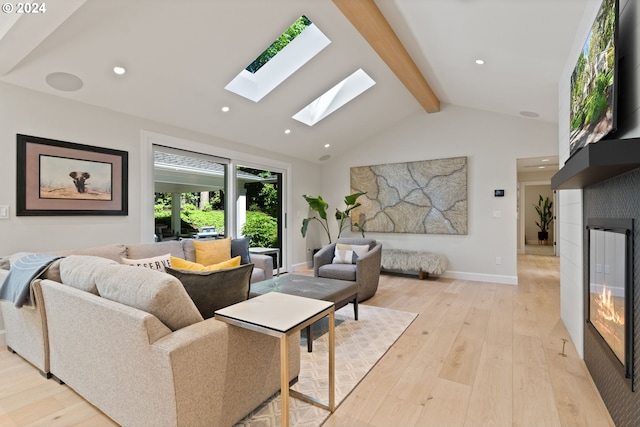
363	269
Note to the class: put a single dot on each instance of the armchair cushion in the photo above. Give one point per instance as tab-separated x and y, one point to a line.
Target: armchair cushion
348	254
213	290
338	271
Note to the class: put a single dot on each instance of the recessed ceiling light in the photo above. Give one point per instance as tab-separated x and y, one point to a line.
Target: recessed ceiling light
225	109
480	61
64	81
287	131
325	157
327	145
540	167
531	114
545	160
119	70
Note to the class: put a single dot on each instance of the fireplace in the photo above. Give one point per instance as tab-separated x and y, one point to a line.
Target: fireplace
609	311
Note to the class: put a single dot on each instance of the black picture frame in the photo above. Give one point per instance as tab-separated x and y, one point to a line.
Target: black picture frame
57	178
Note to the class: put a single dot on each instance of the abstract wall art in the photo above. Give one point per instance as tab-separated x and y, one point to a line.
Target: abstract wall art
422	197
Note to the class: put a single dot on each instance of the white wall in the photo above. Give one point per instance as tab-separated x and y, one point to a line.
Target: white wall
570	201
33	113
491	143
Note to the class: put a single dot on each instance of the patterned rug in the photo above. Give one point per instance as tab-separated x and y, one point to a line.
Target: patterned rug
359	346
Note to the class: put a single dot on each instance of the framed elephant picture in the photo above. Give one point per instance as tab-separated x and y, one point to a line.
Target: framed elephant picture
65	178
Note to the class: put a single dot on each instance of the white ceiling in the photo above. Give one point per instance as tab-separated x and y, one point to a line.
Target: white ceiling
180	55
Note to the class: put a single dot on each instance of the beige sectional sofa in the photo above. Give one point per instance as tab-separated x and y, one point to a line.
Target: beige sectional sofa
132	342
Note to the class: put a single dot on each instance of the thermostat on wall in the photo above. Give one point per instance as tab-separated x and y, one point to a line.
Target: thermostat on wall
498	193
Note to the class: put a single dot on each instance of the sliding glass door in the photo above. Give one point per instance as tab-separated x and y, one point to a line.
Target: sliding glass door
189	199
200	195
259	209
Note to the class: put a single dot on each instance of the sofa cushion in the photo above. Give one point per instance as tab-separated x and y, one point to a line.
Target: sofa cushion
113	252
213	290
155	263
151	291
189	250
210	252
194	266
79	271
348	254
240	247
150	250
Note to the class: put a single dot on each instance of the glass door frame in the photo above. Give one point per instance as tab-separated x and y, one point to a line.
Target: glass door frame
148	139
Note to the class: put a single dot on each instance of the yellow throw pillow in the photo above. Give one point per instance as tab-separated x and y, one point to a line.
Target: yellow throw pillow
210	252
182	264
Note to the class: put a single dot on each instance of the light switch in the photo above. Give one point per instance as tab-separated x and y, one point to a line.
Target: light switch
4	212
497	214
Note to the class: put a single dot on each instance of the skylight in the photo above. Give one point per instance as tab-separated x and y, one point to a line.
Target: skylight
295	47
334	98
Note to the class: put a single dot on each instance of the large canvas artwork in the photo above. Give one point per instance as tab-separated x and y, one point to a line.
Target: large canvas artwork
424	197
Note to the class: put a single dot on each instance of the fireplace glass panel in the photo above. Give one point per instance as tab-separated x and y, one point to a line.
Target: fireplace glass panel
607	281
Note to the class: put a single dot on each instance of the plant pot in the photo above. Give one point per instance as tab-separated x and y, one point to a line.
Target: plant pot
543	235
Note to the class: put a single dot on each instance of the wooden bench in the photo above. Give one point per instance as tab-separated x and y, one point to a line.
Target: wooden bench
413	260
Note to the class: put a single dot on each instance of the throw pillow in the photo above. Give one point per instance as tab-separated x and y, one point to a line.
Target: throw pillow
240	247
210	252
150	291
348	254
155	263
194	266
213	290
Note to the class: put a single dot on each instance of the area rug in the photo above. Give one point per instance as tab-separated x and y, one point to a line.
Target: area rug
359	346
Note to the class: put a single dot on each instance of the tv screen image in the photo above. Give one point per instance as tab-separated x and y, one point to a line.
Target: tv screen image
593	81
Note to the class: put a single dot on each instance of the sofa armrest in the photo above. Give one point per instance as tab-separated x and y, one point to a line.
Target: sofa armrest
225	369
265	262
323	256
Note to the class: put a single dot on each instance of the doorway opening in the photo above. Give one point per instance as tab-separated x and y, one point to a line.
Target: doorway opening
536	234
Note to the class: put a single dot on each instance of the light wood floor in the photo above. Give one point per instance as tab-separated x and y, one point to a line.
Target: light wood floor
478	354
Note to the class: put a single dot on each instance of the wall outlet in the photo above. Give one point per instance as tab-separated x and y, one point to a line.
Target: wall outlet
498	260
4	212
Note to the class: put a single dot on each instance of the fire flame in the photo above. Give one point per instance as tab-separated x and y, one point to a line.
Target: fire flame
606	307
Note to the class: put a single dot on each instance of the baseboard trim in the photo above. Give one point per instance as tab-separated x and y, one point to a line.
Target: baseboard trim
301	266
480	277
3	339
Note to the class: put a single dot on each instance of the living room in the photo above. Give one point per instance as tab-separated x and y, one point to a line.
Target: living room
491	141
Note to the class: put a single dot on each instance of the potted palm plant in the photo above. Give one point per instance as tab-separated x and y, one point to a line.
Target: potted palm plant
544	208
318	205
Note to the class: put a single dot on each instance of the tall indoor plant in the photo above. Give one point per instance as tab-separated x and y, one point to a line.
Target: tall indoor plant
318	205
544	208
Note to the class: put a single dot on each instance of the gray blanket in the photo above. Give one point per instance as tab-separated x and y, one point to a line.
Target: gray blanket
17	285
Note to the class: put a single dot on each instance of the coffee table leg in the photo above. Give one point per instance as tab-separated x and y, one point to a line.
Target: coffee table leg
332	362
309	338
284	380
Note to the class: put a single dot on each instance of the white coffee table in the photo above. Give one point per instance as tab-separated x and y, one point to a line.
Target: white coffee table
281	315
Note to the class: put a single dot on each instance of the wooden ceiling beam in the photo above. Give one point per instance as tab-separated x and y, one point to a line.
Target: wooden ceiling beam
367	18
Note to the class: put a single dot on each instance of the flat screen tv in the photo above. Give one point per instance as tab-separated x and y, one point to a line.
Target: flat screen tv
594	81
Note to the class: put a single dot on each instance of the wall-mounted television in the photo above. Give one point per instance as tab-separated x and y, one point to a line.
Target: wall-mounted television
594	81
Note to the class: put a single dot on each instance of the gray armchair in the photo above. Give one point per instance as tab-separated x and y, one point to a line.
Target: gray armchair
365	272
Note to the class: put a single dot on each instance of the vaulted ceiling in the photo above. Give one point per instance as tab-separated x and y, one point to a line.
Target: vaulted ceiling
179	55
